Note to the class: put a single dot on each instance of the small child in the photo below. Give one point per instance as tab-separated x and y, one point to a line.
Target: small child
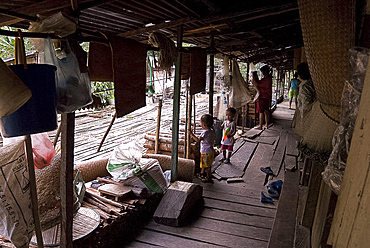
229	130
207	140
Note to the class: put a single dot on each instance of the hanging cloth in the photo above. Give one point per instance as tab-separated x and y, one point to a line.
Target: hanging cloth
198	70
129	74
240	94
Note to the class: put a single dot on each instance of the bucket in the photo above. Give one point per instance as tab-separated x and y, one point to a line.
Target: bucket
13	92
39	113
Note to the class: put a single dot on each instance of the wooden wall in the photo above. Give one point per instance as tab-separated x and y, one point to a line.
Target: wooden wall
351	222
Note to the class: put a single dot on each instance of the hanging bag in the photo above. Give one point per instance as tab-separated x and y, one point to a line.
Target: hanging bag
73	88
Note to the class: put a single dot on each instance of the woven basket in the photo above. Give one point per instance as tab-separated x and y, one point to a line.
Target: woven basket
48	194
328	33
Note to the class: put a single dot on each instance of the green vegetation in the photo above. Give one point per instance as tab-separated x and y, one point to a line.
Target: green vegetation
104	90
7	44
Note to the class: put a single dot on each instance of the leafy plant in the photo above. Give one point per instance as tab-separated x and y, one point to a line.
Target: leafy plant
7	44
105	90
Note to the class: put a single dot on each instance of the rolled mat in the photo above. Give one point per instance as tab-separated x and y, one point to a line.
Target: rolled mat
185	167
92	169
328	34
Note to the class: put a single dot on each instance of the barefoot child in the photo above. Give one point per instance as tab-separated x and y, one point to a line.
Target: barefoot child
207	140
229	129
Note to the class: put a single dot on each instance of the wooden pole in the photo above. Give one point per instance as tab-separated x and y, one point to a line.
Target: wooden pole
158	126
187	154
106	132
194	113
56	136
211	73
186	115
35	206
176	107
66	179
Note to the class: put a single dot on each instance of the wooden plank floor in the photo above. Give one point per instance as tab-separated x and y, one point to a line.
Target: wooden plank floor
232	214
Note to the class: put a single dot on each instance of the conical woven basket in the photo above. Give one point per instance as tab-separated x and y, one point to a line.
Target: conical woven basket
328	33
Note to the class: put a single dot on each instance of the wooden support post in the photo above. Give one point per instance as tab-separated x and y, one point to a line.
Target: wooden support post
35	206
66	179
211	73
176	107
158	127
106	132
194	112
188	138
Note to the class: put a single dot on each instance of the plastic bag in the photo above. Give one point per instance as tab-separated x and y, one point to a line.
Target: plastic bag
73	87
351	97
42	148
16	221
127	165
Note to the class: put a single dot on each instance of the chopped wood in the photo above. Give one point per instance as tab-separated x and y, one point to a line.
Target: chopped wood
103	199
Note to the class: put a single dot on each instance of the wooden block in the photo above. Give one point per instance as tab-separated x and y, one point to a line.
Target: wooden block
114	191
278	157
177	203
282	234
235	180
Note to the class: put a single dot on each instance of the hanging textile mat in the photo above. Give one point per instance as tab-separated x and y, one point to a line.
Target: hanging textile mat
85	221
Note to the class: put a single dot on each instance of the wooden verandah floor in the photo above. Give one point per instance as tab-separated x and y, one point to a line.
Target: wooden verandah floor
233	214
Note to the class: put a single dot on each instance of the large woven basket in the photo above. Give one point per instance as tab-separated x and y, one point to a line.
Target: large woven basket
328	34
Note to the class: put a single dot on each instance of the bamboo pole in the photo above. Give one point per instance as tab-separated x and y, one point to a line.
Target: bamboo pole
176	107
106	132
211	73
158	126
188	141
186	114
57	136
35	206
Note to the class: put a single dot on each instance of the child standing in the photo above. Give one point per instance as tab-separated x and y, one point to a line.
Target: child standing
207	140
229	130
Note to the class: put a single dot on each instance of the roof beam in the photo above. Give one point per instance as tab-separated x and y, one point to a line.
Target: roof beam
156	27
40	8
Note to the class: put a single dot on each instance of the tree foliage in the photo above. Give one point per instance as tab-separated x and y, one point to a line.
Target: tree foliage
7	44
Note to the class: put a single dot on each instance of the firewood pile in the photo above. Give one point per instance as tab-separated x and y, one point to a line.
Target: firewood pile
121	215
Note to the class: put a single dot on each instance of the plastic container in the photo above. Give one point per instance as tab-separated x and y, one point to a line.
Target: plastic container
39	113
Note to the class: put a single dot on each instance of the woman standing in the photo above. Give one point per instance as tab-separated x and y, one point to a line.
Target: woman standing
265	94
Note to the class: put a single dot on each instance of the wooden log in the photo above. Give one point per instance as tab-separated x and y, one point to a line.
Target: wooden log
177	203
163	146
105	200
167	140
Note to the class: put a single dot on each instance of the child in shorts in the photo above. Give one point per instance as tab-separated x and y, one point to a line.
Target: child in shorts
229	130
207	140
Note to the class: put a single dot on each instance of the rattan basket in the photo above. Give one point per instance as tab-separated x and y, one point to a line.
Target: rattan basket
328	33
